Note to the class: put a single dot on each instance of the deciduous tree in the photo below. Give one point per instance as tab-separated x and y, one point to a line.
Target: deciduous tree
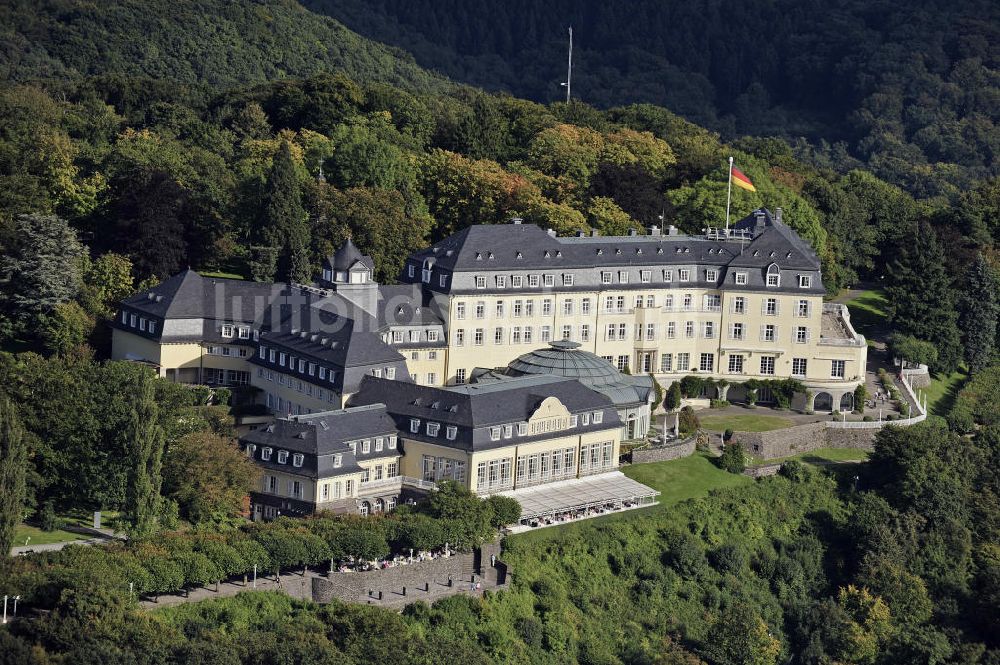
13	467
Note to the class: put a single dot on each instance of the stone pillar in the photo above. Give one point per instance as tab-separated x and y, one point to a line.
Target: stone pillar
677	423
723	391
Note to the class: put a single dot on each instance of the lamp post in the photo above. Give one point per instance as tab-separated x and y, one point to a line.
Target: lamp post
14	613
255	576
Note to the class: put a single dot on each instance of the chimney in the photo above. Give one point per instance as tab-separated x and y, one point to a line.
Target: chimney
594	233
654	230
777	215
632	232
671	230
581	234
551	232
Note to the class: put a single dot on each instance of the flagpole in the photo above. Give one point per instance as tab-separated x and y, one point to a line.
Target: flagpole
729	194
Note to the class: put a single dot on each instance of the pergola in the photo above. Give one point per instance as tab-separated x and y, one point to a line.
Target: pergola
578	497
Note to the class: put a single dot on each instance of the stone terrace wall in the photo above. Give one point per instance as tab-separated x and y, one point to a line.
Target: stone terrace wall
354	587
802	439
664	453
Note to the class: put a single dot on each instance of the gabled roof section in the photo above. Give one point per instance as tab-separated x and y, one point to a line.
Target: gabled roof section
190	295
349	257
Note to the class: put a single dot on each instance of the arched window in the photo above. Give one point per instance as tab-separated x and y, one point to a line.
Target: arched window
379	505
773	275
365	508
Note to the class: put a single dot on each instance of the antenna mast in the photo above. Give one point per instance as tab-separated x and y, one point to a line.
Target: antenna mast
569	66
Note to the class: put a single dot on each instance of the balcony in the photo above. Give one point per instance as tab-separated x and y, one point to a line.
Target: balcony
836	328
395	482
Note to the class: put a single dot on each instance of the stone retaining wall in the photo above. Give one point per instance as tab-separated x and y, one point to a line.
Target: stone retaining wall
664	453
802	439
355	587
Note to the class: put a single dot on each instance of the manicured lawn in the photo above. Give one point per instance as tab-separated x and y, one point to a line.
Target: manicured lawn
827	455
747	423
222	275
682	479
867	310
943	390
39	537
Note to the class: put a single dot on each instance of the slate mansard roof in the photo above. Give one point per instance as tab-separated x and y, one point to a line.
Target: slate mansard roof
321	436
474	408
757	241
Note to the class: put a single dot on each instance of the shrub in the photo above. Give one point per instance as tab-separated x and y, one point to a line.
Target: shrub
912	349
719	403
728	434
223	396
672	401
689	421
961	420
683	552
47	516
727	558
506	510
733	459
860	395
795	471
867	419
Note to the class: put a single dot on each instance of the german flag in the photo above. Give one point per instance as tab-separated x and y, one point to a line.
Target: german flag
740	180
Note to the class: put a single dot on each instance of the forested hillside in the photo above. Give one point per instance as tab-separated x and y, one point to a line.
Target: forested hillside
212	42
910	88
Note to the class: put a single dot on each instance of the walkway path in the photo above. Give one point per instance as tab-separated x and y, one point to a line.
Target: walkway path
98	537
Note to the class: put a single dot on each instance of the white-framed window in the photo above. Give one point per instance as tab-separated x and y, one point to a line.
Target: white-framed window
773	275
522	429
623	277
585	306
768	332
265	453
606	277
645	276
391	442
302	365
683	362
132	320
567	332
460	310
377	372
708	329
767	365
432	335
338	459
432	378
142	324
689	328
411	270
770	307
498	335
598	417
480	281
390	372
668	275
545	335
501	281
366	446
736	331
567	280
297	459
495	433
799	366
518	308
460	375
740	278
480	309
707	362
739	305
533	281
508	431
414	425
837	369
585	332
671	329
244	333
567	308
152	327
433	429
227	331
500	309
549	280
803	308
281	359
735	363
450	432
711	275
666	362
517	281
801	334
282	457
477	337
124	317
460	337
805	281
684	275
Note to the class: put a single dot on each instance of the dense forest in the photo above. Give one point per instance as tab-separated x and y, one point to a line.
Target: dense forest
908	88
248	139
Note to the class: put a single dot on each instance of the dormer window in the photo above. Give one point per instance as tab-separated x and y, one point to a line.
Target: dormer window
297	459
574	420
282	457
410	270
508	431
501	281
451	432
711	275
532	280
549	280
774	276
740	278
668	275
567	280
426	272
131	320
805	281
494	434
480	282
433	429
366	446
392	442
606	277
251	449
227	331
443	281
265	454
379	443
684	275
152	327
281	359
124	317
598	417
244	333
516	281
522	429
414	425
338	461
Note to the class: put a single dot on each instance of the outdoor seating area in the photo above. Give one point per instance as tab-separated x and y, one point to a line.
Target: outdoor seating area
579	498
353	565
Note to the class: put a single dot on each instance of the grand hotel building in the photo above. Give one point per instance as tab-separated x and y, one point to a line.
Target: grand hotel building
747	303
